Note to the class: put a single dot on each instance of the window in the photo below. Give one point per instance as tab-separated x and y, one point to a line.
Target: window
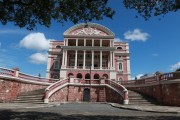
55	77
120	67
103	64
56	64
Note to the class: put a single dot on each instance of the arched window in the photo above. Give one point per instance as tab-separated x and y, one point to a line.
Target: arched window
105	75
87	76
55	77
120	79
79	75
119	48
96	76
70	74
120	67
58	46
56	64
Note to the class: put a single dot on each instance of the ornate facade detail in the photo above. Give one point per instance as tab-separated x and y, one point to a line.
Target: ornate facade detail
88	31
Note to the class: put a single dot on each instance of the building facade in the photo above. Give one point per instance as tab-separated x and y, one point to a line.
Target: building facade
88	51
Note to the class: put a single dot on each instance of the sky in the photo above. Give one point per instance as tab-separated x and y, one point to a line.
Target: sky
154	44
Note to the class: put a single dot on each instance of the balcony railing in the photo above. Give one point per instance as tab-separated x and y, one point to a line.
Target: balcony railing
88	67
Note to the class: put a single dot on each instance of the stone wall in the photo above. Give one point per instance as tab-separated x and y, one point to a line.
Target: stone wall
9	90
165	94
75	94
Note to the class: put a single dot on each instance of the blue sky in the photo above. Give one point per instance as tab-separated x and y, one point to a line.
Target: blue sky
154	44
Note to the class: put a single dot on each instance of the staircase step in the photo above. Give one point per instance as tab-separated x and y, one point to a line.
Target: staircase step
34	97
138	99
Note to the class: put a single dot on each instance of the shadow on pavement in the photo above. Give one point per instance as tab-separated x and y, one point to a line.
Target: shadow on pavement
31	115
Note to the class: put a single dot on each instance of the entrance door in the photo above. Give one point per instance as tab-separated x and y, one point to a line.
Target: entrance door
86	95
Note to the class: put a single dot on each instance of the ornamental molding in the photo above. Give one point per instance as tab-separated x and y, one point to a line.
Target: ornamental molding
88	29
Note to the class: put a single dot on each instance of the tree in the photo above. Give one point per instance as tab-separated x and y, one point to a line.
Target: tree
149	8
29	13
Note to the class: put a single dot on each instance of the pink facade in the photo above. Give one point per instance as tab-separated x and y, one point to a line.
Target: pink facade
88	51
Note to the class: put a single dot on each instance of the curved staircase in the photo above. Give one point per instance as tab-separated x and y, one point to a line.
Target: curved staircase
138	99
35	97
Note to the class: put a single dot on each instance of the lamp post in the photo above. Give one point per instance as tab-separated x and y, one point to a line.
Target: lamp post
90	73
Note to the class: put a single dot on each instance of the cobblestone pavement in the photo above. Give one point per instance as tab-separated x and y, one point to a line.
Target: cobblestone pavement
82	111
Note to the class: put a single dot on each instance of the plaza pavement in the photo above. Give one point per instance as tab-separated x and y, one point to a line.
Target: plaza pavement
153	108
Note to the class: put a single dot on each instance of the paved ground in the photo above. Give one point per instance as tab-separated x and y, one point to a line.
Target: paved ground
82	111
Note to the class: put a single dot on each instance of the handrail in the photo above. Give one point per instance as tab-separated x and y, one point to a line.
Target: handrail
30	77
154	79
7	72
56	83
53	88
119	87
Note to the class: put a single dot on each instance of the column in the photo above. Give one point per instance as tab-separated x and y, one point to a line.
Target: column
128	68
84	60
76	42
100	59
110	43
92	62
100	42
75	66
110	59
66	42
84	42
63	59
113	60
92	42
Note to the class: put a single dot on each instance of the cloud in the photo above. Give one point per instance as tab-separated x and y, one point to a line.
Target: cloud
138	76
35	41
136	35
155	54
14	31
175	66
118	40
39	58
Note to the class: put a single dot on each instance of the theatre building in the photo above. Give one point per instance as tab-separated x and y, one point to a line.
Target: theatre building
88	51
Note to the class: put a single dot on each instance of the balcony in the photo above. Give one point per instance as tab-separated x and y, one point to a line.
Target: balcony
86	68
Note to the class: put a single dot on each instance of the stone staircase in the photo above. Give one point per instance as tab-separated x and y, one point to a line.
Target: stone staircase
139	99
35	97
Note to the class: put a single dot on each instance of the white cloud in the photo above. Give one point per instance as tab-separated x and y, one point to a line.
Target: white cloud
35	41
175	66
138	76
136	35
39	58
118	40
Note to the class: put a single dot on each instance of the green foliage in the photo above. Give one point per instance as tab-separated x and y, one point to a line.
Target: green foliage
149	8
178	69
29	13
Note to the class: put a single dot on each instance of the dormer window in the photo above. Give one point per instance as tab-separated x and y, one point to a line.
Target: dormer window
119	48
58	46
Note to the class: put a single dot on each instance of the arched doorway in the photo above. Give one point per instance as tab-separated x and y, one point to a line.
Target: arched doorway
105	75
96	76
70	74
87	76
86	95
79	75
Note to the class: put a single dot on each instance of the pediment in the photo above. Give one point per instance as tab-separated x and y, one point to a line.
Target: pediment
88	29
